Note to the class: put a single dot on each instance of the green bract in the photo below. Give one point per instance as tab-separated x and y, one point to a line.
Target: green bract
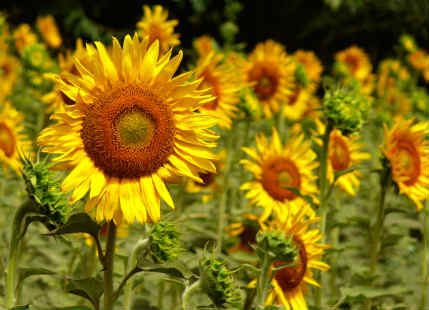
277	245
165	244
301	76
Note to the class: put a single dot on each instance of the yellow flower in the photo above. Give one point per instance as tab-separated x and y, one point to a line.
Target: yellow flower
313	67
289	284
246	231
224	85
270	72
204	45
297	104
9	66
155	25
49	31
343	154
132	125
275	169
23	36
13	142
419	60
56	98
356	61
408	154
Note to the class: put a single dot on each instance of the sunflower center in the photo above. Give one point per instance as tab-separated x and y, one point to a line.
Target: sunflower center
408	162
266	81
129	132
290	277
7	140
352	62
293	98
279	174
339	153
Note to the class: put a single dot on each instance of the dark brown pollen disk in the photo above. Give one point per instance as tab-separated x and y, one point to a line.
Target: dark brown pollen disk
129	132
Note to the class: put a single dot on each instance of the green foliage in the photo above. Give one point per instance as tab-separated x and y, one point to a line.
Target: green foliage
165	242
277	245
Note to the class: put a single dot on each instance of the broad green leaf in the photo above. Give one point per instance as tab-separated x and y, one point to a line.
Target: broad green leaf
175	269
90	288
24	273
78	223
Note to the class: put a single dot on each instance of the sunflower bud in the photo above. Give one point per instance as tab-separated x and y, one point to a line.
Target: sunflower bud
408	43
217	282
44	189
165	245
301	76
345	109
276	245
35	57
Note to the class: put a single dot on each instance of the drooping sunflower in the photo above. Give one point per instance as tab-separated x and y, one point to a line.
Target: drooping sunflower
56	98
133	125
49	31
155	25
289	284
224	85
408	154
344	153
312	65
356	61
13	142
270	72
275	169
246	231
23	36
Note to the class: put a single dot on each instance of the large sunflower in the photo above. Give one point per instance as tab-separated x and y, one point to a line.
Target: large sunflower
297	104
275	169
132	125
13	142
155	25
289	284
408	153
225	86
270	72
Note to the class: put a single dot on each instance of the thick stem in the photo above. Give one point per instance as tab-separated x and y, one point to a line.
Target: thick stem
108	266
20	215
263	283
323	198
425	274
189	290
224	197
335	233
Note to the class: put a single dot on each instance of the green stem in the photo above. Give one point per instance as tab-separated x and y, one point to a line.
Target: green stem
141	244
281	122
323	198
108	266
189	290
263	283
335	233
20	215
161	290
425	281
224	197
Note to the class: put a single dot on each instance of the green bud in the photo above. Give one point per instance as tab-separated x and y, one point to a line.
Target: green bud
218	283
44	189
35	56
165	242
408	43
420	100
249	104
229	30
301	75
276	244
341	70
345	108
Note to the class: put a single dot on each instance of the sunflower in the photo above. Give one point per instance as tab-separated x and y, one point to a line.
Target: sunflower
246	231
289	284
224	85
49	31
391	73
56	98
270	72
297	104
132	126
356	61
23	36
9	66
13	142
408	155
209	179
419	60
312	65
343	154
275	169
204	45
155	25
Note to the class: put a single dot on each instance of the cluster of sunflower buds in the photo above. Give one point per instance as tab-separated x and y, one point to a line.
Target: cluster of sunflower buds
43	188
165	243
276	245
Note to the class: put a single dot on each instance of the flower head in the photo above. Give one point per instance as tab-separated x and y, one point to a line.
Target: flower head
312	67
355	61
276	170
23	36
155	25
132	125
49	31
408	154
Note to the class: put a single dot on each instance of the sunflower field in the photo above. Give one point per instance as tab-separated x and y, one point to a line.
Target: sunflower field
202	154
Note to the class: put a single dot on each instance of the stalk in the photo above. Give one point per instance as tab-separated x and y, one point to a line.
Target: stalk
108	267
263	283
187	294
335	233
425	281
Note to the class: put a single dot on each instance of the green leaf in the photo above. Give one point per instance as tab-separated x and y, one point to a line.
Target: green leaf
70	308
78	223
89	288
395	210
25	307
24	273
175	269
370	292
339	174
